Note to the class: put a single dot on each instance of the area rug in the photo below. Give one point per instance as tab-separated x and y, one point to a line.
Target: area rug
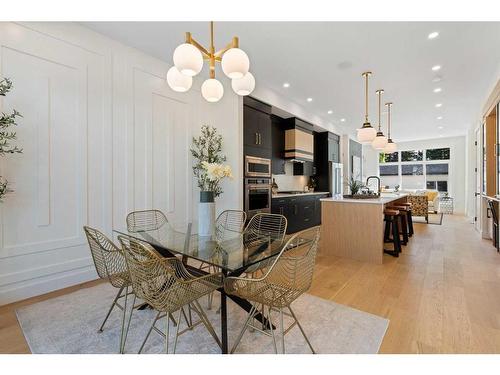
69	323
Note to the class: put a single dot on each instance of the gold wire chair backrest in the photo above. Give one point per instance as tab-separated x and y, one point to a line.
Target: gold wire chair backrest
263	225
285	277
108	258
229	223
164	283
145	220
294	267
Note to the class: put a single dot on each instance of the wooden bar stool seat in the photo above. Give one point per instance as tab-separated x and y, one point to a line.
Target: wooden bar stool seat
409	217
391	218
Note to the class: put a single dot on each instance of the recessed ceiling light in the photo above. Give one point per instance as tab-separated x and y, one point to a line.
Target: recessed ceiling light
342	120
330	112
286	85
436	67
437	79
440	117
433	35
309	99
440	127
439	105
437	89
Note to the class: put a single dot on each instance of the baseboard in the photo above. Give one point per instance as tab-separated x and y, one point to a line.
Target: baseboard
35	287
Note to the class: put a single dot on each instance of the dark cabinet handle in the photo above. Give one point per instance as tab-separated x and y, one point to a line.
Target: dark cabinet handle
256	138
260	139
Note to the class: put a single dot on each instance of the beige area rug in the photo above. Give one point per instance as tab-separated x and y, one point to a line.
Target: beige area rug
69	323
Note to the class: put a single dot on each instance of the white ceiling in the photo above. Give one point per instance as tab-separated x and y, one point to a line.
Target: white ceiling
324	61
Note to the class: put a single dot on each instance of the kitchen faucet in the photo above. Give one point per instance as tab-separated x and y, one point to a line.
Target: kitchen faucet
378	183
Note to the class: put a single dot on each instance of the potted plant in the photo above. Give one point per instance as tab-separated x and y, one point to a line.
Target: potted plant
209	171
354	186
6	135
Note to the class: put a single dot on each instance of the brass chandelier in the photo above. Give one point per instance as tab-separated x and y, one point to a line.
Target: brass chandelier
188	62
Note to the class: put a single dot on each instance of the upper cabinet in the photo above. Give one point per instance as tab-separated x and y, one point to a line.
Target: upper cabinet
278	146
326	151
257	128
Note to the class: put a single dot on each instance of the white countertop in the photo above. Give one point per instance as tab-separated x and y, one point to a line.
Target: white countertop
283	195
383	199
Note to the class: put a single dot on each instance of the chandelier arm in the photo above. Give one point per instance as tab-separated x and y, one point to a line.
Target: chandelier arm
233	44
191	40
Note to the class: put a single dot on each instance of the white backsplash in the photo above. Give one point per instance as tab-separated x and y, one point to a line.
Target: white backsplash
288	182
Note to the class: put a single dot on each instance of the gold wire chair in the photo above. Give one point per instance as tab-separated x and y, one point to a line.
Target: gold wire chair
229	223
289	276
141	221
110	265
264	228
167	286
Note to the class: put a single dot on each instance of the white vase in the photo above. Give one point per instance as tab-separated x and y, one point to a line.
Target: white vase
206	214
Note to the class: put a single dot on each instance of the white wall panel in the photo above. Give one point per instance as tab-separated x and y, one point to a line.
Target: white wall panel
103	135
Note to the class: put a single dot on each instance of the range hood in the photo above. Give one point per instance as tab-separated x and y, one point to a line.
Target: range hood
299	140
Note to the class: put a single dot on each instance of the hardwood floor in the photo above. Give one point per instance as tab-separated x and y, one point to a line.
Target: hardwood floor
442	295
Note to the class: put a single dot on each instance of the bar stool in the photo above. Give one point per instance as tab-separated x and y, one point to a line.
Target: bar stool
391	218
409	217
403	215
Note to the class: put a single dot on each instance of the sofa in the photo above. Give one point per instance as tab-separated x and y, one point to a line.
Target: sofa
420	205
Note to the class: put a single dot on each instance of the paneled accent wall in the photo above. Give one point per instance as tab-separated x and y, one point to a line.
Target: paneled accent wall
102	135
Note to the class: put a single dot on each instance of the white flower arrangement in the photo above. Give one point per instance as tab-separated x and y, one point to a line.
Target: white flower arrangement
216	172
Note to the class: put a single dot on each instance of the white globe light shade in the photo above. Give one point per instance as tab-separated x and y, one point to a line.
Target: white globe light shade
366	135
244	85
212	90
188	59
235	63
379	142
177	81
390	148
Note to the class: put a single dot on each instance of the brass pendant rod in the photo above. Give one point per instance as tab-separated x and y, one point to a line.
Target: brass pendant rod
366	74
388	119
212	51
379	93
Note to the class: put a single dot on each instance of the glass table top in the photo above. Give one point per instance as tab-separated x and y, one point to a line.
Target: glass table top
235	251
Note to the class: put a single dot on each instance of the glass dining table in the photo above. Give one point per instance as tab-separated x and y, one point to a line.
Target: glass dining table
232	254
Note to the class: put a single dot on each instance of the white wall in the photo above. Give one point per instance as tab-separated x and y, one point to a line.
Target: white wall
102	135
457	164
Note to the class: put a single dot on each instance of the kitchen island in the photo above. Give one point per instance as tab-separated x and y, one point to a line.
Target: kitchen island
354	228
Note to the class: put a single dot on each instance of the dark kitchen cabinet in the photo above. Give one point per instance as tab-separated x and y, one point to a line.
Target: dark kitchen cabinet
257	136
302	212
326	151
278	145
304	169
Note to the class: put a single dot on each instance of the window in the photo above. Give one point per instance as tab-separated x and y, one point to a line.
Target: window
416	169
437	154
414	155
439	169
441	186
388	158
412	169
389	170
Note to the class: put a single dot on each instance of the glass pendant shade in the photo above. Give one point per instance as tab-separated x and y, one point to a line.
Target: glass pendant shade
178	81
212	90
380	141
366	134
390	147
235	63
188	59
244	85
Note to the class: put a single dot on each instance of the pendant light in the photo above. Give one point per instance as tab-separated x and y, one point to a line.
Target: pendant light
380	140
367	133
188	61
391	146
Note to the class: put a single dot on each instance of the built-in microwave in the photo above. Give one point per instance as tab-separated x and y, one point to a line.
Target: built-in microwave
257	167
